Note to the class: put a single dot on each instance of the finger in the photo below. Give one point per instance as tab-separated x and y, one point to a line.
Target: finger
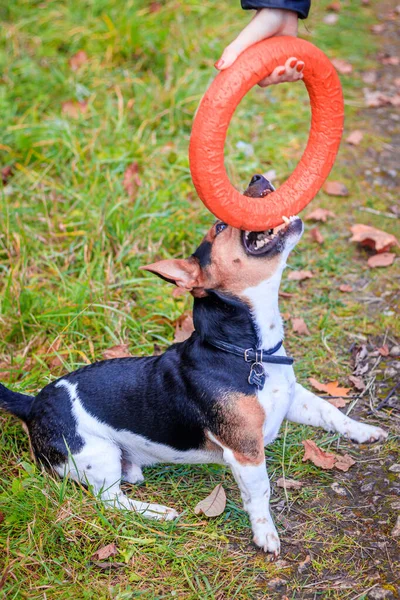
263	25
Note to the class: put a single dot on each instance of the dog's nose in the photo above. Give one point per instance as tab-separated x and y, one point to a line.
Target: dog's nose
259	187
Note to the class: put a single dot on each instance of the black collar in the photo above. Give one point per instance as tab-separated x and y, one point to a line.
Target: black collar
255	356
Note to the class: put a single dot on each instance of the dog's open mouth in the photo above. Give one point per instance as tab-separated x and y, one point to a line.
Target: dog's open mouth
258	243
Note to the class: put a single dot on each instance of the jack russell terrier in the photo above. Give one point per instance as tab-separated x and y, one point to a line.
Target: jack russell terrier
219	397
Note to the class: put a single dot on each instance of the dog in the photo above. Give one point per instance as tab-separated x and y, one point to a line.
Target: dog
218	397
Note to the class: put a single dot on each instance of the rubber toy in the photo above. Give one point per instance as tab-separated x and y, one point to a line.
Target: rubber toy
206	149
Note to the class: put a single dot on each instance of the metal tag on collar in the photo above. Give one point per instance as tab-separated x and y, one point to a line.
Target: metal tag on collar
257	375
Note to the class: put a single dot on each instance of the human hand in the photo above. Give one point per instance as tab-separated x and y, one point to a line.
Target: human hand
267	22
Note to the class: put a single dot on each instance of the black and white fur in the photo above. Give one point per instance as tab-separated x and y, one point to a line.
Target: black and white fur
192	404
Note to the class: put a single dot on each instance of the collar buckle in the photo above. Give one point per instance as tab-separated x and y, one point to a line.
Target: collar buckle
246	354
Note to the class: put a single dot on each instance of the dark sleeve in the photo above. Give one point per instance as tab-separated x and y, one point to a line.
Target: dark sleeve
302	7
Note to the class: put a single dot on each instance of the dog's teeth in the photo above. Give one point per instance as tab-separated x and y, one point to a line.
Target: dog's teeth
286	220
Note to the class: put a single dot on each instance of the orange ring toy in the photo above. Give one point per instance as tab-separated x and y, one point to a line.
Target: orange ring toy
206	149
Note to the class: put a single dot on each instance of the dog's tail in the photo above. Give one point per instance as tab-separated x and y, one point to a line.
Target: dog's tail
17	404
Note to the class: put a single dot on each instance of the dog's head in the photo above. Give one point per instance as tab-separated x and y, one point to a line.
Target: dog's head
229	260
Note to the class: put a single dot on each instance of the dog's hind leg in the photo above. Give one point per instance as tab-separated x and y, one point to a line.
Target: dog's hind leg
98	464
309	409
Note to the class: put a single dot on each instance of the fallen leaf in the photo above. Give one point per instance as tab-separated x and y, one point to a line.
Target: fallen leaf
320	214
299	326
132	181
381	260
334	6
370	77
289	484
357	382
343	463
342	66
373	238
299	275
384	350
105	552
345	288
338	402
378	28
183	327
6	173
214	504
335	188
376	99
304	564
316	235
325	460
286	316
119	351
285	295
390	60
355	137
73	108
396	528
320	458
330	19
155	7
78	60
331	388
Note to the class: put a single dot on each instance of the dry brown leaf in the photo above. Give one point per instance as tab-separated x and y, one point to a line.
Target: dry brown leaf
331	388
6	173
345	288
370	77
343	463
320	214
355	137
214	504
373	238
132	181
357	382
334	6
155	7
342	66
378	28
335	188
78	60
105	552
299	326
304	564
184	327
285	295
390	60
73	108
320	458
381	260
316	235
289	484
330	19
338	402
299	275
384	350
376	99
325	460
119	351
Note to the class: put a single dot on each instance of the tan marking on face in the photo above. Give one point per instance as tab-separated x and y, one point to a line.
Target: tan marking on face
231	269
240	428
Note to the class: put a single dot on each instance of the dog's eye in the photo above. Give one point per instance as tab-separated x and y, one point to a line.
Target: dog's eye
220	227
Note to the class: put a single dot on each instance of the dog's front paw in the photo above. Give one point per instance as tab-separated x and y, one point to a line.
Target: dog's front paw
362	433
267	538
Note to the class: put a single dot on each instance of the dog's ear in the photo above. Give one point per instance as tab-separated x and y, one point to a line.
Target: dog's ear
183	272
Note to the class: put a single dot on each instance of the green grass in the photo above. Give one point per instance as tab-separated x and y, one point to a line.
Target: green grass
71	242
